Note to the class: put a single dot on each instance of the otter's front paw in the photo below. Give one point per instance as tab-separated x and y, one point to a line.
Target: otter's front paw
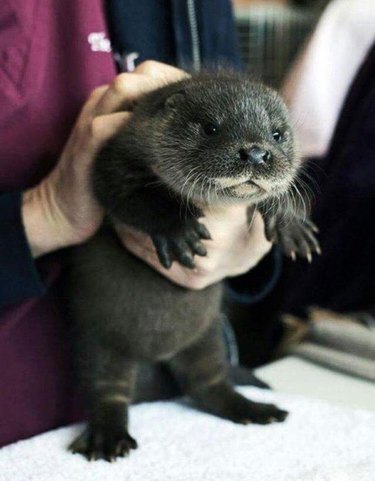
102	443
298	237
181	244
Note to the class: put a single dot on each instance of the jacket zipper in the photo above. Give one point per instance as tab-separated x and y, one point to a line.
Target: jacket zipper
194	34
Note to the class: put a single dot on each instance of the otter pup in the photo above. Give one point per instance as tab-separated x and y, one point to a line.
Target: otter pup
205	140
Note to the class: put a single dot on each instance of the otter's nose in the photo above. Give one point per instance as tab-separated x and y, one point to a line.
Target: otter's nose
255	155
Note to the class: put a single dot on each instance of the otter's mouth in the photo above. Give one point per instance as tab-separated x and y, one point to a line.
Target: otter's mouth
252	186
230	183
249	189
251	182
245	189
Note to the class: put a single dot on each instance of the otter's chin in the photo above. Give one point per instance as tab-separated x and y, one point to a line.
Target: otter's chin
256	190
247	189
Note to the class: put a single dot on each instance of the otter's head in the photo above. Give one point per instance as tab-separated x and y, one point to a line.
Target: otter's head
223	137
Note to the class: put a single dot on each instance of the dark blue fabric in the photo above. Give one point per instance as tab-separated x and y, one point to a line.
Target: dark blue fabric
219	43
255	285
144	27
19	278
160	31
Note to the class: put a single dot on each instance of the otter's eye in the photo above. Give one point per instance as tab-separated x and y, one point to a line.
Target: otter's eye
210	128
277	135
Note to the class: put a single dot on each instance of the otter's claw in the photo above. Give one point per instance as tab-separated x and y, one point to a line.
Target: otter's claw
298	238
182	245
97	443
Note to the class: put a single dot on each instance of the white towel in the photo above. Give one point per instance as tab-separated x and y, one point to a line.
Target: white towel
318	442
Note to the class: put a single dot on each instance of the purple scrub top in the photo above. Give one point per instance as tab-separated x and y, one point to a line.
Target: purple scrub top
52	54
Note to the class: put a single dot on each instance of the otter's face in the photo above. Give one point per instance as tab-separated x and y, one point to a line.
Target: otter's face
229	139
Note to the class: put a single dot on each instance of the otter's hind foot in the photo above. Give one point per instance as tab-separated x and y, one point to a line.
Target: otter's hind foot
100	443
256	413
223	401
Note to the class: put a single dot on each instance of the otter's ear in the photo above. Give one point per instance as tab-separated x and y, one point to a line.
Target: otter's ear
174	100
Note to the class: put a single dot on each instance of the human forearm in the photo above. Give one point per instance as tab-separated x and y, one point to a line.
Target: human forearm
45	226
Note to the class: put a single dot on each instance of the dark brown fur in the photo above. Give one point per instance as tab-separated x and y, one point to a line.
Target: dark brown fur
157	174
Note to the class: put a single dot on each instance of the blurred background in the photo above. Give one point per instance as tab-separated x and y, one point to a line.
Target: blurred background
271	32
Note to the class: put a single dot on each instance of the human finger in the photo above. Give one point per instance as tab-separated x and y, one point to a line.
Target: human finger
127	88
91	103
160	70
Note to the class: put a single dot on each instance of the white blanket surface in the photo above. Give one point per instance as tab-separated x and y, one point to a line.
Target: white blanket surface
318	442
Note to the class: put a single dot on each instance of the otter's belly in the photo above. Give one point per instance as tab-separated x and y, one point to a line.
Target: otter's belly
156	318
130	306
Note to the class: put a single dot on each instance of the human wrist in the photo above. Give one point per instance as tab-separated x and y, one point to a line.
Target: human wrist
46	227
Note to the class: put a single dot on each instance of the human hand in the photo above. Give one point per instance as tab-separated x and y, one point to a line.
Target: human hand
61	210
234	249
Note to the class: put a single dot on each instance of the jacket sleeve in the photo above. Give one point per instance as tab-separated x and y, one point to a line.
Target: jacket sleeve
256	284
19	277
219	40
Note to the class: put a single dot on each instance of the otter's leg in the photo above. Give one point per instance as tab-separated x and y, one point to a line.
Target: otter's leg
109	388
202	372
